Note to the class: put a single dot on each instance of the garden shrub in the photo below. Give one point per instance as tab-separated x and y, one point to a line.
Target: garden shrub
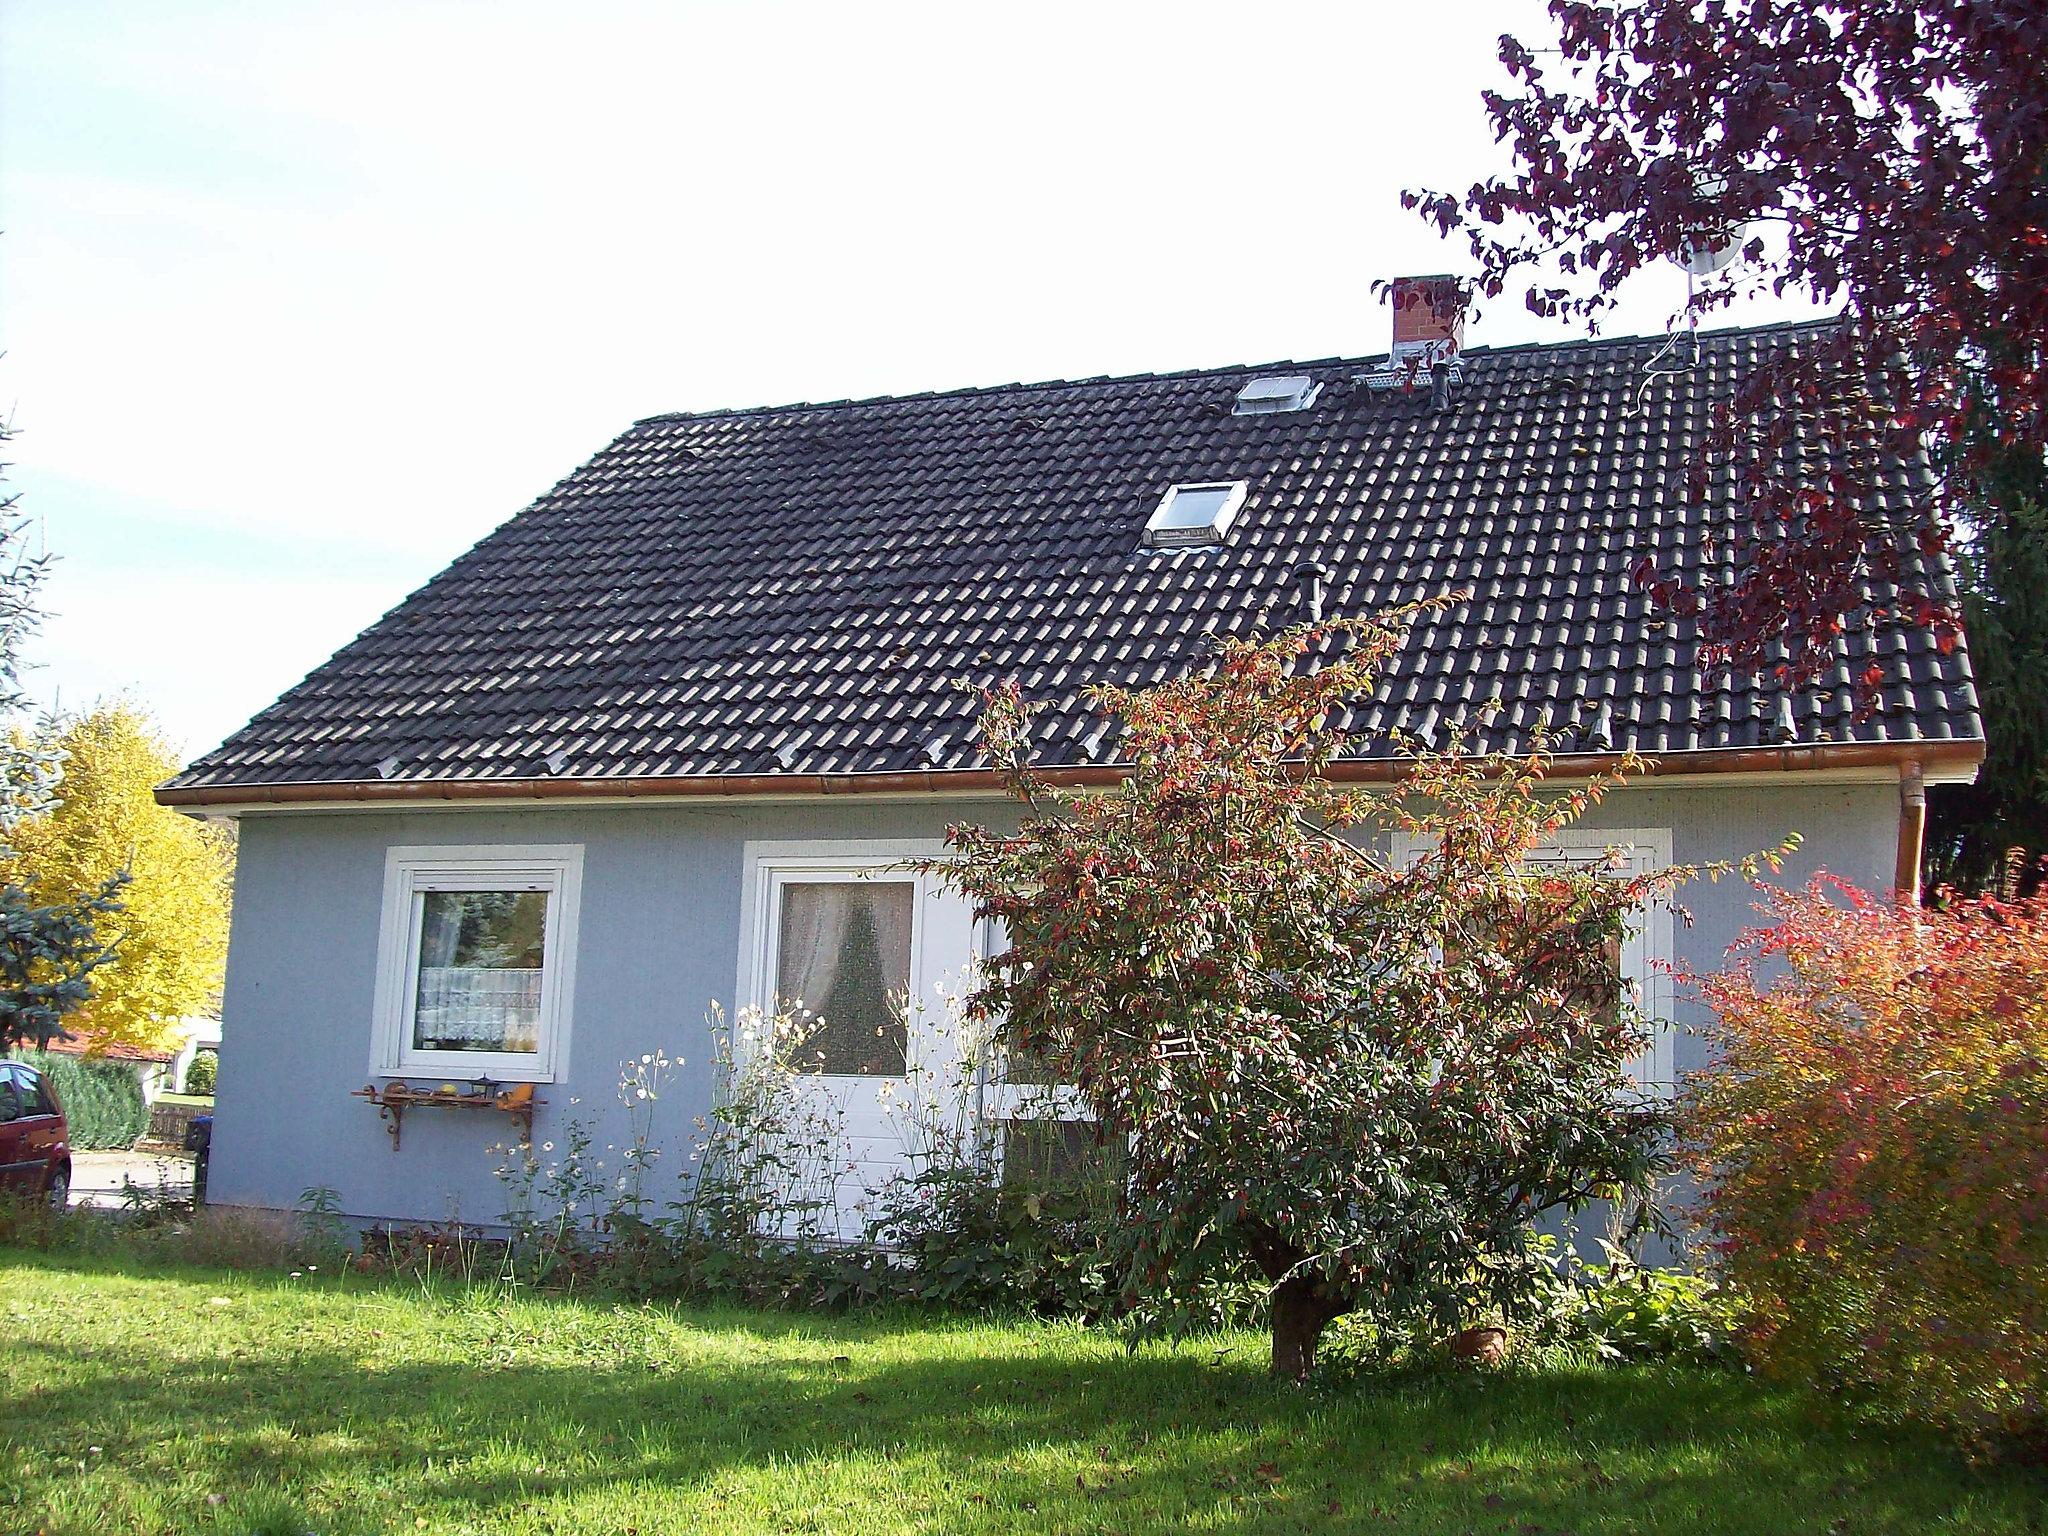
967	1237
749	1214
1870	1142
102	1101
1625	1310
1364	1080
1630	1312
1619	1310
202	1072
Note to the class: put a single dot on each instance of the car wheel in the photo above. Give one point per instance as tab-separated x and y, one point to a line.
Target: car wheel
58	1192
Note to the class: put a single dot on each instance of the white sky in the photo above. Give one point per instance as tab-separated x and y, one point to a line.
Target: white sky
300	300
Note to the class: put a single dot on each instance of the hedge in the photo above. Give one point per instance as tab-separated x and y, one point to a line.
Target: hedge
102	1099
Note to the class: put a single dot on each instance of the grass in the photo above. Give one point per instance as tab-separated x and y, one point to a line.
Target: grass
177	1400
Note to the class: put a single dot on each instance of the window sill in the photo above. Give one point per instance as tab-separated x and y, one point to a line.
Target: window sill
442	1073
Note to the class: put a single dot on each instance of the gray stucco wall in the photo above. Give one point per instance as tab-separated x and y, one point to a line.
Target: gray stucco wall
659	941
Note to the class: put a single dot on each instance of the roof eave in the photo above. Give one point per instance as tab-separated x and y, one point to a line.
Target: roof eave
1940	761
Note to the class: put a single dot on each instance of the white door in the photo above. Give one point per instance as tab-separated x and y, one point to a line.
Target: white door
866	960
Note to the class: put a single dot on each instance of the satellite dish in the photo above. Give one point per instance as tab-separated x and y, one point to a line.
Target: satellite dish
1706	254
1708	250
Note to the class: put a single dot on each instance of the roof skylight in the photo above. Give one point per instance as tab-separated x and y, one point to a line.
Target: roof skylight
1272	393
1192	515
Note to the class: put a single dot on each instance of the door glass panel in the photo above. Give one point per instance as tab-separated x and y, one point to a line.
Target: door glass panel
480	971
843	959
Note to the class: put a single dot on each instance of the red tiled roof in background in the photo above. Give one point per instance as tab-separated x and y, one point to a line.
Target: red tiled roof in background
83	1045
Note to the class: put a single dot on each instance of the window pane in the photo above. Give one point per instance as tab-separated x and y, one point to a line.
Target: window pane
1056	1152
480	970
844	955
1194	509
1024	1067
1602	997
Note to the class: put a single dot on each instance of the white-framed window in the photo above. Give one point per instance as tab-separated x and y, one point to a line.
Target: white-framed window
863	957
1195	514
476	961
1031	1117
1644	956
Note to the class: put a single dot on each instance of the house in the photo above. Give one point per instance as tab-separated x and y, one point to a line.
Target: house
662	739
160	1068
155	1067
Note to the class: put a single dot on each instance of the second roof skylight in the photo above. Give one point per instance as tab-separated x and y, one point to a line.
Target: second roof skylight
1272	393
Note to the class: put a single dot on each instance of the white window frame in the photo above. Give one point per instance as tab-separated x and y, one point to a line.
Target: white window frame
1159	535
772	865
410	874
1002	1100
1646	949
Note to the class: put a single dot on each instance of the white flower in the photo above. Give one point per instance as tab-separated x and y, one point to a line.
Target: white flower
547	1146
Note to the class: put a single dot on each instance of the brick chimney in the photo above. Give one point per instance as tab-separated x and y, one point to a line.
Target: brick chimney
1429	321
1429	333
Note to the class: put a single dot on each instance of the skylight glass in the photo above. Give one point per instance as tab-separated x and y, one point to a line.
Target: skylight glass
1271	393
1195	514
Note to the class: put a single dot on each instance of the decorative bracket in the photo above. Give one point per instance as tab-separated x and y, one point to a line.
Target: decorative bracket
394	1099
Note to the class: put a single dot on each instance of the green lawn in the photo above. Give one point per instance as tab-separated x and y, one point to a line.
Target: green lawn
184	1400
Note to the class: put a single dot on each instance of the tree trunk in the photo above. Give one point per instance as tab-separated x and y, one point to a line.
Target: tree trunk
1301	1310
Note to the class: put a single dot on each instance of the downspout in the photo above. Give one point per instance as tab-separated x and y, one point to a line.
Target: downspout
1912	831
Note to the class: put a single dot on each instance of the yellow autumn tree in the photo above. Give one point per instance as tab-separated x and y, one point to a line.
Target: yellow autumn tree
171	933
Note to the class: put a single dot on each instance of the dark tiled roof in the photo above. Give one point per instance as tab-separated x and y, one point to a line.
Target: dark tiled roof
799	589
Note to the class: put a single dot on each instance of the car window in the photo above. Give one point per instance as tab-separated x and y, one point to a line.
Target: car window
36	1098
10	1098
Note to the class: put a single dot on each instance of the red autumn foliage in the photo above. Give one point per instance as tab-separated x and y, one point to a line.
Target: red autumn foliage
1888	158
1873	1144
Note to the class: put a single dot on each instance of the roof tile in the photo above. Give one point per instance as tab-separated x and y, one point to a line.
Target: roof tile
713	593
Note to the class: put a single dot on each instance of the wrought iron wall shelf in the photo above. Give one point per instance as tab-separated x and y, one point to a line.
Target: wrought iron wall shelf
394	1099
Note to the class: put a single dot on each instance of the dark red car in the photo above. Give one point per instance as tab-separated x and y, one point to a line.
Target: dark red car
35	1143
